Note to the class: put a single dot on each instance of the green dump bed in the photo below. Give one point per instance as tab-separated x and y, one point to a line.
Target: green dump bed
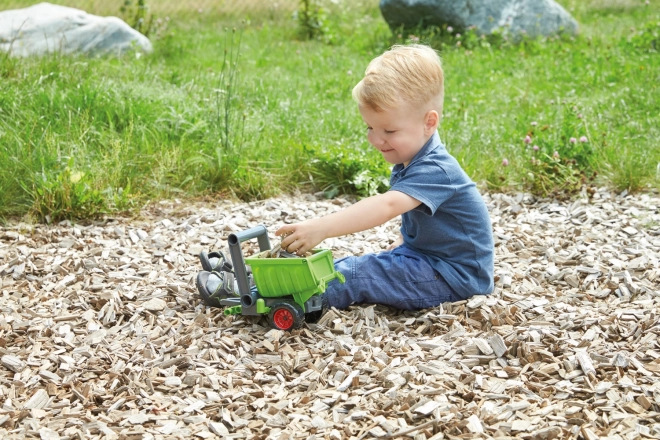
298	277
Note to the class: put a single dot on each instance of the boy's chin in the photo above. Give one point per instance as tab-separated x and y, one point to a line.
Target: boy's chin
394	160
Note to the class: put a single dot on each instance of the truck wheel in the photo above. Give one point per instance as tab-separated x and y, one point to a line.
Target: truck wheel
286	316
313	317
207	297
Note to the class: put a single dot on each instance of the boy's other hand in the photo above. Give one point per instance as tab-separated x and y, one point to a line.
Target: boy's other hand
302	237
398	242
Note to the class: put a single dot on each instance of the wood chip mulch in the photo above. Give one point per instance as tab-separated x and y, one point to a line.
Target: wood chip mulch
103	335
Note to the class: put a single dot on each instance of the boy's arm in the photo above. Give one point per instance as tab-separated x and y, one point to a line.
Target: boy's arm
365	214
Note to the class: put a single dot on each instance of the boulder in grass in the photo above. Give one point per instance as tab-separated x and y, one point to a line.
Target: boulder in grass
46	28
518	17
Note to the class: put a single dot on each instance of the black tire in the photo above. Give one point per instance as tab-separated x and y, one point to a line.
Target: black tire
208	266
286	316
209	300
313	317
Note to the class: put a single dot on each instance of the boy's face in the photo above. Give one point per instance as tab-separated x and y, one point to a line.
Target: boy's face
399	133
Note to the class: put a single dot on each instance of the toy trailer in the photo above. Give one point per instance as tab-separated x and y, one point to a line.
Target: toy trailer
286	289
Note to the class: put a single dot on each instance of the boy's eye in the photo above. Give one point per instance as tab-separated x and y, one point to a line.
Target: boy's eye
390	131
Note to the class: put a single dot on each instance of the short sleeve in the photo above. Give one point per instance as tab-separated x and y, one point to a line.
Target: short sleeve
430	184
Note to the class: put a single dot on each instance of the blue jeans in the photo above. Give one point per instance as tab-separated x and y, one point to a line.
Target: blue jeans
400	278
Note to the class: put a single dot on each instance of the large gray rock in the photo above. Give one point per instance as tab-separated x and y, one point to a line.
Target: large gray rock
46	28
534	17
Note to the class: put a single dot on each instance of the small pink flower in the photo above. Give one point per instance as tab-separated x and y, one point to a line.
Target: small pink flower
535	148
450	29
555	155
579	115
458	35
534	123
572	141
583	139
505	162
527	139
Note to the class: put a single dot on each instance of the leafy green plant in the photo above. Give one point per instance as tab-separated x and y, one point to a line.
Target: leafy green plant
647	38
370	182
347	171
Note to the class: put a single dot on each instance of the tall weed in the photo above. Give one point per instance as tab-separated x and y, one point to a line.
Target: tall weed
136	13
217	162
311	19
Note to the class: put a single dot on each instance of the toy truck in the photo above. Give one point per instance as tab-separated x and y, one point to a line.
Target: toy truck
288	290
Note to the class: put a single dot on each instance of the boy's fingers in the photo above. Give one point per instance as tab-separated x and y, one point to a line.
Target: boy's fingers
284	231
286	242
295	247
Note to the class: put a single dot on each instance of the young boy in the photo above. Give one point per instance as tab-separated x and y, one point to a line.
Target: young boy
445	251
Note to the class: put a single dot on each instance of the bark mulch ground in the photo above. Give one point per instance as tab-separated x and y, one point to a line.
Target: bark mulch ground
102	333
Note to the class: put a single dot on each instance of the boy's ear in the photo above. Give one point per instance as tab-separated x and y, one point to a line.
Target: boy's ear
431	122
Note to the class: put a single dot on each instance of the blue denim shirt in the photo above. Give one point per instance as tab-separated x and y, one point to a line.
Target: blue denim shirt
451	227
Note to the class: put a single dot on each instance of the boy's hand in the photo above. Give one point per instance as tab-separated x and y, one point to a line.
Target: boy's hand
302	237
398	242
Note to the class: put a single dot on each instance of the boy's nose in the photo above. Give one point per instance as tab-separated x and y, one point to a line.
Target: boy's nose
374	139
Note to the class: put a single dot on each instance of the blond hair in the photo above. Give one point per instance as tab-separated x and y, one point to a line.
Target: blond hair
409	74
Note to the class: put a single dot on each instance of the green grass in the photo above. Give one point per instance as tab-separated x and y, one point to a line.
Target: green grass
81	136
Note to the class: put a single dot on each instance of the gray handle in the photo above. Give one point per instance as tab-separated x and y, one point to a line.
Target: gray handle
235	240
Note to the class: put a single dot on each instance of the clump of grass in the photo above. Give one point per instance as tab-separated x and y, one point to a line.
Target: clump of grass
69	194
